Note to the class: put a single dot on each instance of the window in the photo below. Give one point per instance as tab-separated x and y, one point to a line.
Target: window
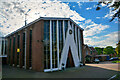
70	23
13	50
46	44
2	46
91	52
66	27
6	46
23	54
30	49
74	33
86	52
78	40
54	44
60	25
9	51
18	46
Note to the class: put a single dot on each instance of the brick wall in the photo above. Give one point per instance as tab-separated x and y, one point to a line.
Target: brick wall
37	46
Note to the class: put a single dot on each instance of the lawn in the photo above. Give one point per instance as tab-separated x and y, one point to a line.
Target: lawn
115	61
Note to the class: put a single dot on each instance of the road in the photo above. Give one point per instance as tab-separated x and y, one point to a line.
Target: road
107	65
89	71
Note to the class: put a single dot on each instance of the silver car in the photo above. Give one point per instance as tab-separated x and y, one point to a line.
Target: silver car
96	60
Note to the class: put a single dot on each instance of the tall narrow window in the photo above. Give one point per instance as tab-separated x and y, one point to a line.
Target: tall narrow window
86	52
80	43
54	44
78	40
70	23
74	33
60	24
2	46
23	54
46	44
66	27
18	47
9	52
13	50
6	46
30	49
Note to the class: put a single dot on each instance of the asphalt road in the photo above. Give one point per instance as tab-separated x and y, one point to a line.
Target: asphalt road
88	71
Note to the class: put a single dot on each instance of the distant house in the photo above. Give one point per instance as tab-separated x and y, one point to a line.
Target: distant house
90	53
93	51
103	57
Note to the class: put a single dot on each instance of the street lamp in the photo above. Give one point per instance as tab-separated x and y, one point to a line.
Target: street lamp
26	15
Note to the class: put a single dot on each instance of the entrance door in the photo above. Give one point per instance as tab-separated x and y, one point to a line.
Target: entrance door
70	62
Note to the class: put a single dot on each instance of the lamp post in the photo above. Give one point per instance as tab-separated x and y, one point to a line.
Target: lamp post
25	16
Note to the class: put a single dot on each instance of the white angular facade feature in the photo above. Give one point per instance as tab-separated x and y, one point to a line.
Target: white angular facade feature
69	43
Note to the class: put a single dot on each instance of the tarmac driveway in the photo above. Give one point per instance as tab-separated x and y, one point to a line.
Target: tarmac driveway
88	71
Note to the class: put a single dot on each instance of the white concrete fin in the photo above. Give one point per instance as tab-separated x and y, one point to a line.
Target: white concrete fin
69	42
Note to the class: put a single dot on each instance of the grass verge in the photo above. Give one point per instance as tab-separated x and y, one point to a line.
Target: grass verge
115	61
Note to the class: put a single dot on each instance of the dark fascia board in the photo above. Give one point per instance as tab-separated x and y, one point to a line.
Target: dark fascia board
44	18
2	37
58	18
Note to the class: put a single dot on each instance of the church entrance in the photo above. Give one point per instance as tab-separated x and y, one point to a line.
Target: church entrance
70	62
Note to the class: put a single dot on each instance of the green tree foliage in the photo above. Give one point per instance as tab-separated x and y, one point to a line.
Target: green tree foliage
113	4
117	49
99	50
108	50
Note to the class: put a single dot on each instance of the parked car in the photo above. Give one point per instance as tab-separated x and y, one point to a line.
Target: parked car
113	59
96	60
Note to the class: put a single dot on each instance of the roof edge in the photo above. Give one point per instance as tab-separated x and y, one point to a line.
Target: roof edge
44	18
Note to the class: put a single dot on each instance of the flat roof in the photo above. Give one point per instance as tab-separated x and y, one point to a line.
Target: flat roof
43	18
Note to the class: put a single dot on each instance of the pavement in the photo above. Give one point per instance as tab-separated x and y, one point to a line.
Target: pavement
101	70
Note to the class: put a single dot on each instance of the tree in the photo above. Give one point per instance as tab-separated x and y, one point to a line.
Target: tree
99	50
108	50
114	4
117	49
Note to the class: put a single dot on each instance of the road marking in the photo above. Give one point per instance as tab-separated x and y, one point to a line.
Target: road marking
112	77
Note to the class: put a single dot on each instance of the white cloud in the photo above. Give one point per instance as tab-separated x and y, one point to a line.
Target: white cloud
12	13
88	8
73	6
79	4
102	4
98	17
108	40
96	29
116	22
96	37
92	28
109	15
88	21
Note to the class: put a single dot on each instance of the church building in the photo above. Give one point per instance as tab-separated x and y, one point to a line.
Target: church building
46	44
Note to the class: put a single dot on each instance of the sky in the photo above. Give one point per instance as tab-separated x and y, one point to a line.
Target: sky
98	31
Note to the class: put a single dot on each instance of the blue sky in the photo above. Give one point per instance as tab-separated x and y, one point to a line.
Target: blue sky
98	31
